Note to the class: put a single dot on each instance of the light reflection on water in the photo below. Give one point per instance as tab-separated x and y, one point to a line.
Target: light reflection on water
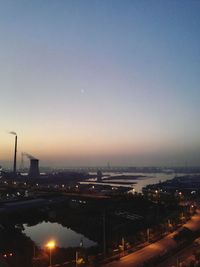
153	178
139	180
64	237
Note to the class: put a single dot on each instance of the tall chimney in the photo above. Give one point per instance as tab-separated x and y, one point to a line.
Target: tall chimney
34	168
15	157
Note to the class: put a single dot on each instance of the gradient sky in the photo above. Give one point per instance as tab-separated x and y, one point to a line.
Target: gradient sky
87	82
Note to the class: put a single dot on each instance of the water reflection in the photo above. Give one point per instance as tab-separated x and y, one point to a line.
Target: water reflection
133	179
65	237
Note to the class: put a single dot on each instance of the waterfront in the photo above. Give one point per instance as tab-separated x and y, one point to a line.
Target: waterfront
137	181
64	236
78	220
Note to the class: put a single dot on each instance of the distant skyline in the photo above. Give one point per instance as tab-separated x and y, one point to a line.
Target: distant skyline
87	82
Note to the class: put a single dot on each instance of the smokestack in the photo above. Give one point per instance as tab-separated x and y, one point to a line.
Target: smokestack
15	154
34	168
15	157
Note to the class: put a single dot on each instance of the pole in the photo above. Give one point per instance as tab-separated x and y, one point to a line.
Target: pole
76	258
148	234
123	246
15	157
104	234
34	250
50	257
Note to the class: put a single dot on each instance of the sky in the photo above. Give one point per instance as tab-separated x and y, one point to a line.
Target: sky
84	83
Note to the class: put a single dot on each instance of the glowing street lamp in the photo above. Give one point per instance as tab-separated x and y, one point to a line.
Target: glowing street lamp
50	245
191	208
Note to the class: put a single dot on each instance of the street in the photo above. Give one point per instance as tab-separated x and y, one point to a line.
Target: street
158	248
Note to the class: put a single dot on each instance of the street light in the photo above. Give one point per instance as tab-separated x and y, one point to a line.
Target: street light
123	246
50	245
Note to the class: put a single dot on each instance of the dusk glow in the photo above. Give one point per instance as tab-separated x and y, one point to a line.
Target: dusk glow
87	82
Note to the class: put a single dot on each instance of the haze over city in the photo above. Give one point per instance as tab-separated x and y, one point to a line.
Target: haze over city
98	81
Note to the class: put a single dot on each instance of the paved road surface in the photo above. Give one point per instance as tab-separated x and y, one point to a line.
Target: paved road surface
137	258
182	255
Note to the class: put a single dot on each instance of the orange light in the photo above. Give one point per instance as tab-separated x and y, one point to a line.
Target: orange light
51	244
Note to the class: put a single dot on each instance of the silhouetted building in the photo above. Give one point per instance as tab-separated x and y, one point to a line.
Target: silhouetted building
34	168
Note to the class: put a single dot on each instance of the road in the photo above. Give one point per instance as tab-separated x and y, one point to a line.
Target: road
182	255
160	247
137	258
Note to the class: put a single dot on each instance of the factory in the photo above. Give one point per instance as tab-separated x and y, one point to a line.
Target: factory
34	165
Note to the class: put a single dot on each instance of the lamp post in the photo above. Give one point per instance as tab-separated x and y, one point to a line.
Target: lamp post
76	258
123	246
50	245
148	235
